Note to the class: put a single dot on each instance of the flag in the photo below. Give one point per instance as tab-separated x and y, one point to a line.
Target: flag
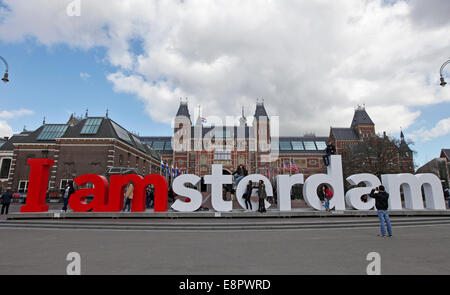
163	169
268	173
279	169
178	172
168	169
286	166
203	119
294	167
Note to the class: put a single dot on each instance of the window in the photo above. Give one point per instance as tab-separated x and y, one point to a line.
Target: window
23	186
5	166
309	145
297	146
221	155
158	145
138	143
274	145
63	183
321	145
52	131
168	146
285	146
91	126
121	133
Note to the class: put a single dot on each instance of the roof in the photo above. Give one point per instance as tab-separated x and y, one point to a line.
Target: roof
446	153
361	118
103	128
183	110
344	133
300	144
260	111
404	148
161	144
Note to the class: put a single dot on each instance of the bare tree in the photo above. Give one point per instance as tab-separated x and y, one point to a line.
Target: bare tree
378	155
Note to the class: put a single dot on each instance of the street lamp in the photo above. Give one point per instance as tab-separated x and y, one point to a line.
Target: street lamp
443	83
5	77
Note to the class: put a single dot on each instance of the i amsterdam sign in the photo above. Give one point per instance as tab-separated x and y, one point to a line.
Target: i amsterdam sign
108	196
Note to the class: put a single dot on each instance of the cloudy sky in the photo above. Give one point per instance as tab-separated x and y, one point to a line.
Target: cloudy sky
311	61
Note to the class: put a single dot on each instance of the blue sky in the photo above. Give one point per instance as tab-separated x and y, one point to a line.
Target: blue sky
47	81
311	62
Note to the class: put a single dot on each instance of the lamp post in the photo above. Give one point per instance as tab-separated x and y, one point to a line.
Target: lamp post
443	83
5	77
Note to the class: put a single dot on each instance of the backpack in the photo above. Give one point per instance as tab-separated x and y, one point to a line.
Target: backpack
329	194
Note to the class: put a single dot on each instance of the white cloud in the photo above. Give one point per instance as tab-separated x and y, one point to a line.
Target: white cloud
5	129
84	76
312	61
15	114
440	129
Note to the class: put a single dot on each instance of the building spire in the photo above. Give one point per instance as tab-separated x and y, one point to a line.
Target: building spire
87	111
43	121
107	112
243	120
199	118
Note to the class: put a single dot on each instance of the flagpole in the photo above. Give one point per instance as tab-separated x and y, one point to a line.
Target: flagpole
290	166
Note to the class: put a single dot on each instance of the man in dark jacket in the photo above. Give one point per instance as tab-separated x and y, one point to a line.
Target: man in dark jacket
330	150
447	196
6	201
381	202
69	190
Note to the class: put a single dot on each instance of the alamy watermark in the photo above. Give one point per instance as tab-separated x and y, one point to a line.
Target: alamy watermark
374	267
74	266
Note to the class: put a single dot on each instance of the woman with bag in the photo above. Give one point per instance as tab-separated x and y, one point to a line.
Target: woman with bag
262	196
128	196
247	195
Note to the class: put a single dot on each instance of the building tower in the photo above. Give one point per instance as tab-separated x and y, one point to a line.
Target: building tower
362	124
182	136
261	131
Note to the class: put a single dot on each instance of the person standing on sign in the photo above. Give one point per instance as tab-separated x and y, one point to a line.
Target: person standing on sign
322	193
247	195
330	150
381	202
149	197
262	196
128	196
67	192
